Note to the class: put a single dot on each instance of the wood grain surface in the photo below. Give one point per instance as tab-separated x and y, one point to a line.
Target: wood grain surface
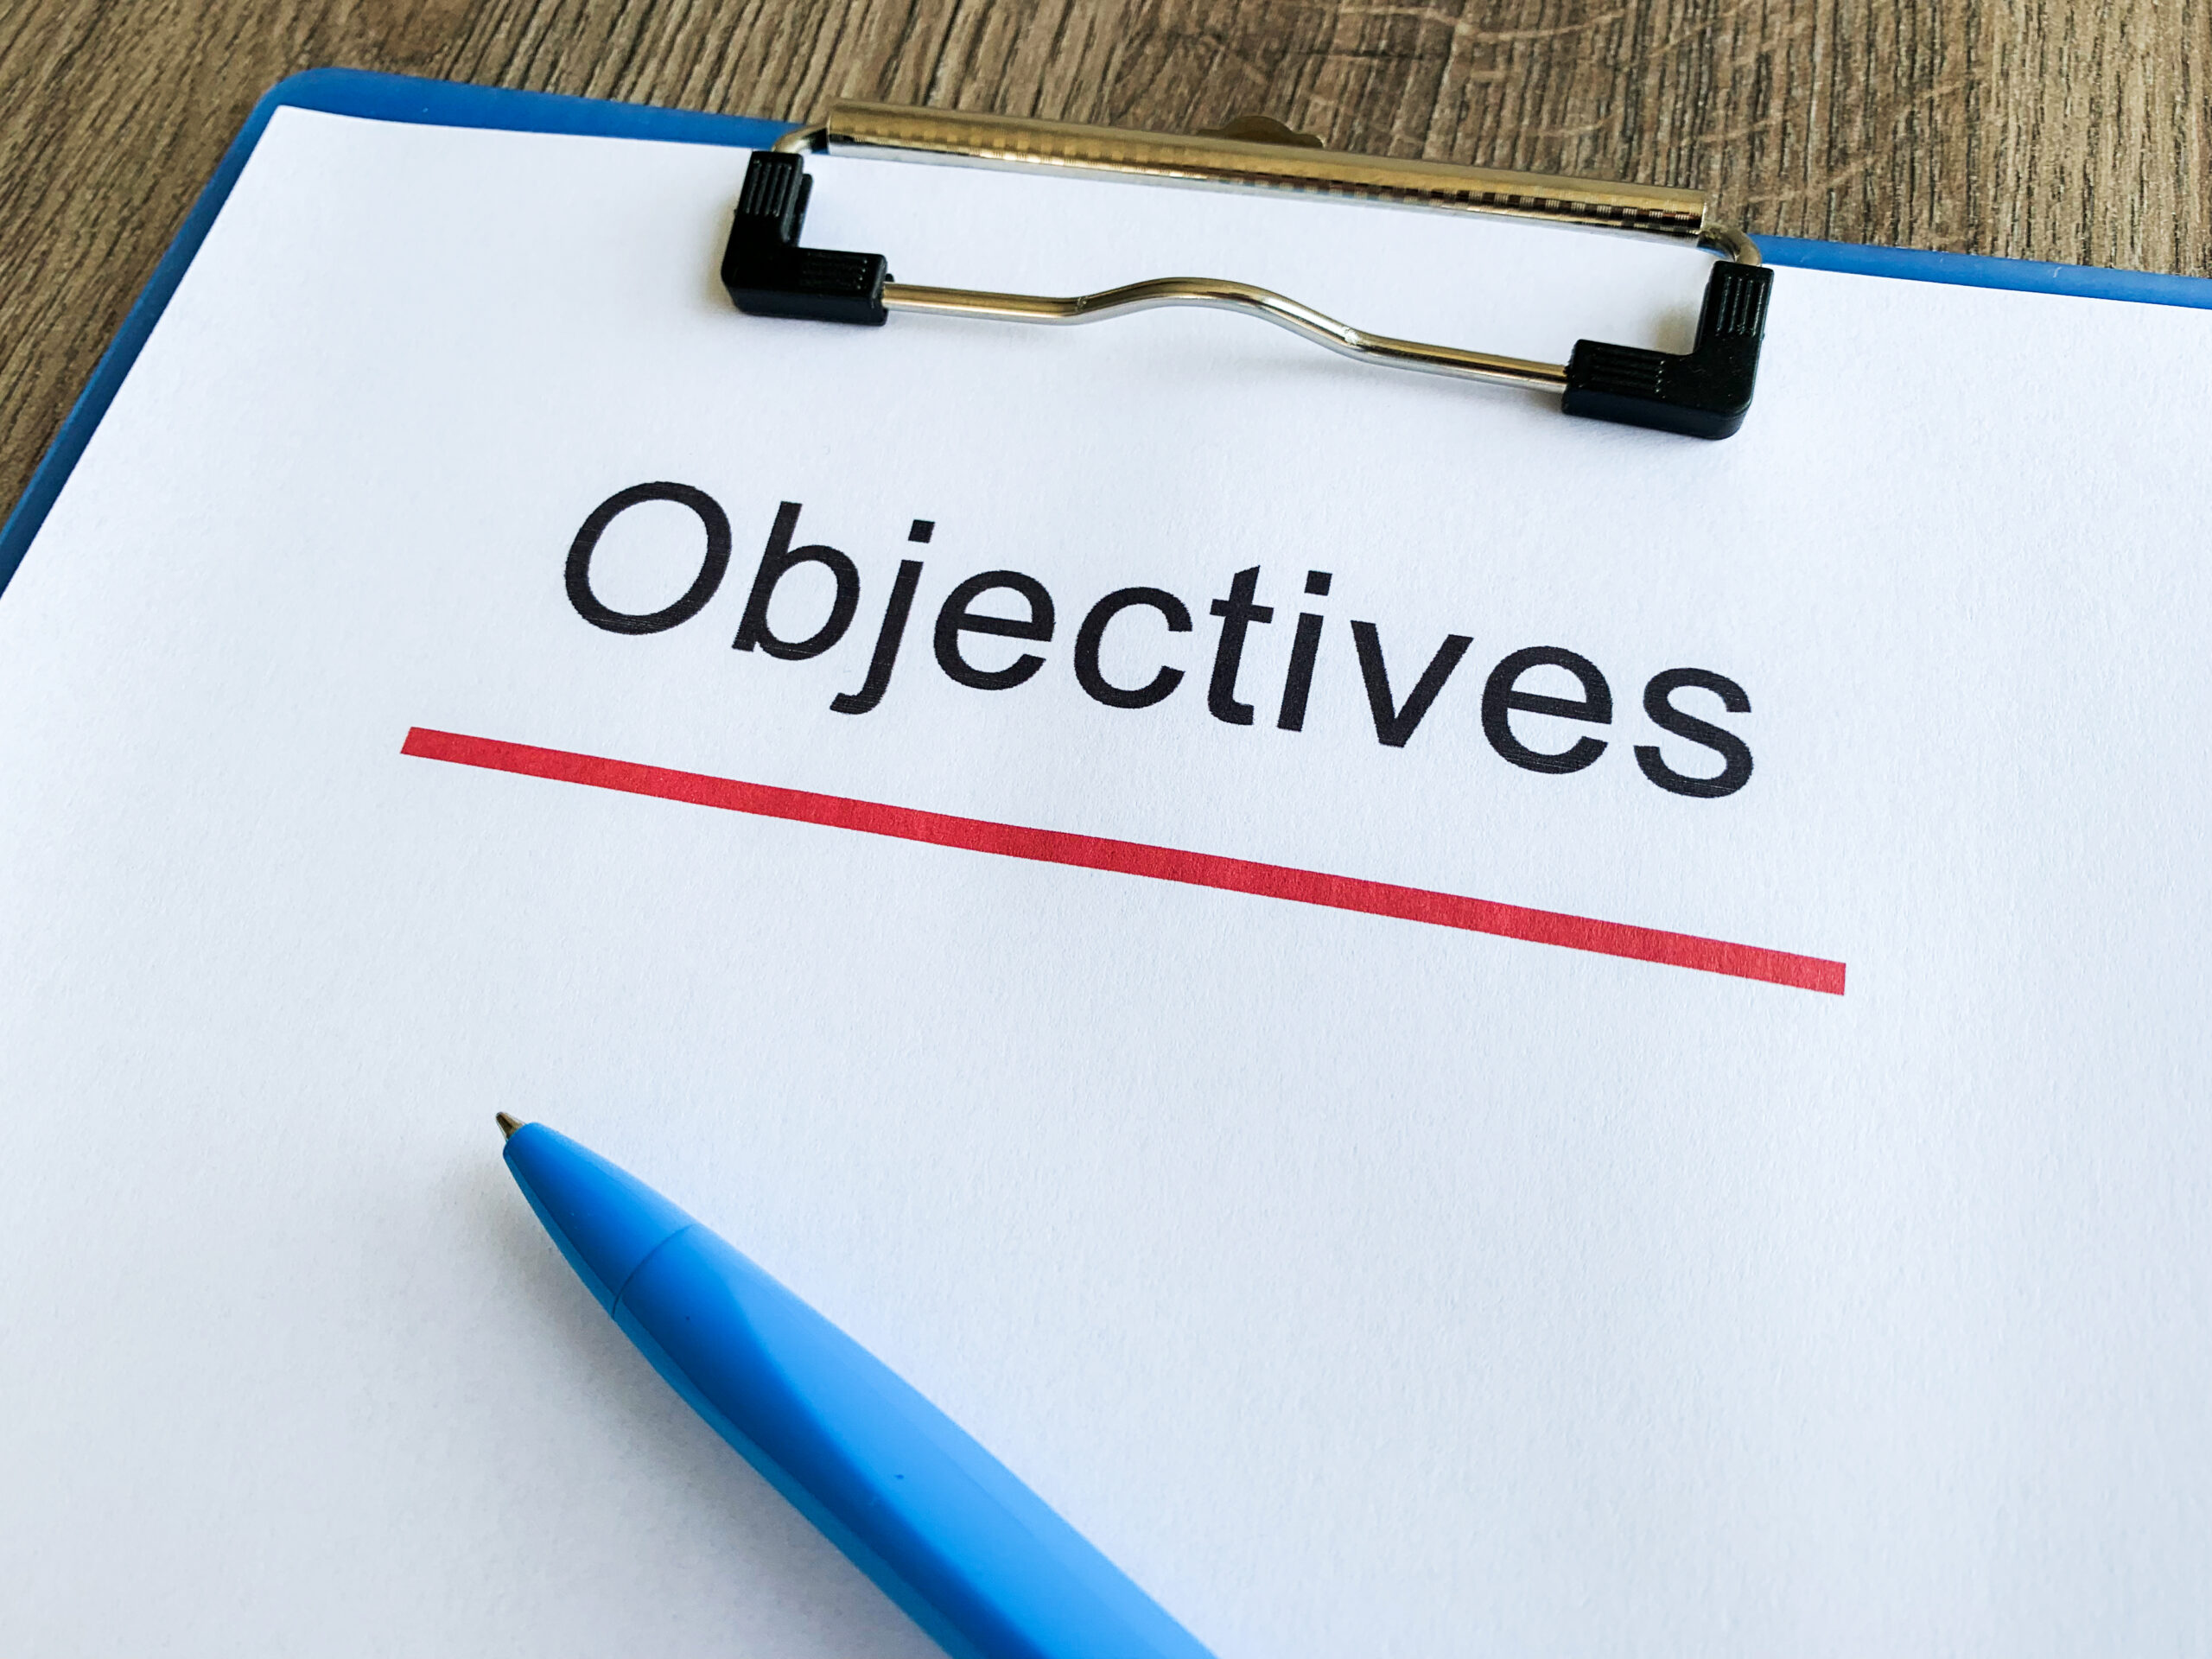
2062	129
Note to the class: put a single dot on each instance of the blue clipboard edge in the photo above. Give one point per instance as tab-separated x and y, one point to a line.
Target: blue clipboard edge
453	104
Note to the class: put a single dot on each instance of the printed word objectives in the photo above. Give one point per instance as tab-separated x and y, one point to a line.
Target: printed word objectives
1396	717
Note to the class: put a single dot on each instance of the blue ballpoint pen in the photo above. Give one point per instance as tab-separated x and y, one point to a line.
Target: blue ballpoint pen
972	1555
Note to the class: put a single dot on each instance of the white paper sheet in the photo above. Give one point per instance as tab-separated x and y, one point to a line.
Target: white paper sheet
1360	1286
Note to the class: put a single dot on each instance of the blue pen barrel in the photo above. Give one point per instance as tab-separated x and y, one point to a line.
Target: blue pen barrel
970	1552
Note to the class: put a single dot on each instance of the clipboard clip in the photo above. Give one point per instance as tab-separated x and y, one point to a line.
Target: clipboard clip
1705	392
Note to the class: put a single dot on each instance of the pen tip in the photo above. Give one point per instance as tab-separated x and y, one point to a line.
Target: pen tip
507	1125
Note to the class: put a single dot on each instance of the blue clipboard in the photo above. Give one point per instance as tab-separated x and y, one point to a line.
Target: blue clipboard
451	104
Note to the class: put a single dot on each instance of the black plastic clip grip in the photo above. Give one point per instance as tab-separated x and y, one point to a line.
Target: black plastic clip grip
769	275
1704	393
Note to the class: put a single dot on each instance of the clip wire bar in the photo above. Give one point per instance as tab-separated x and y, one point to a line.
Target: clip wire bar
1705	392
1219	294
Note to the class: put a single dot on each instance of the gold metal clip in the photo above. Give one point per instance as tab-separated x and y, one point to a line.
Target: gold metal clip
1644	388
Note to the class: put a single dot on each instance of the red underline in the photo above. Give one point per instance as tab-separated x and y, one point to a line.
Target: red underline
1135	858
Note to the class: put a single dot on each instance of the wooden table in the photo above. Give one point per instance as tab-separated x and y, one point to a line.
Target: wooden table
2064	129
